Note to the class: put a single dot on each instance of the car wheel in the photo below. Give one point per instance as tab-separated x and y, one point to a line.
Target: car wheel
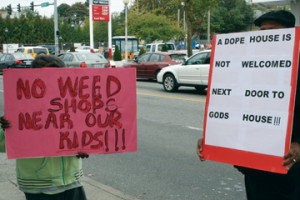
200	87
170	84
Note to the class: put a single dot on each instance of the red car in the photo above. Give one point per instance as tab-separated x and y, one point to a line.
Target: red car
149	64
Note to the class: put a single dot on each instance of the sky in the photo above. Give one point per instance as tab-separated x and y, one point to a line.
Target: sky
116	5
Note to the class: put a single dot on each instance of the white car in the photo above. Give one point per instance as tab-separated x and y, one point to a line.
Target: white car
193	72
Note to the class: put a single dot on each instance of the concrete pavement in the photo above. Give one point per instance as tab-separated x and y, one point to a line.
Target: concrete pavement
94	190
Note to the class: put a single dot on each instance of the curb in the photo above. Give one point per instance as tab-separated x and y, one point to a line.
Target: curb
89	183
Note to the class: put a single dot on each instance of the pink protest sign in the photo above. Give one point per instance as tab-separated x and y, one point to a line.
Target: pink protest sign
55	112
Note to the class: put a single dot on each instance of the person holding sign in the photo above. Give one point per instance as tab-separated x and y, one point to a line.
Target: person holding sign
262	185
56	178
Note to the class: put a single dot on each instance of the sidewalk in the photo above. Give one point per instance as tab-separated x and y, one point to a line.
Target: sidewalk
94	190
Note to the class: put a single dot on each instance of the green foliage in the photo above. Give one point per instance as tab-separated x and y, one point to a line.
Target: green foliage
142	51
154	27
117	54
148	20
231	16
63	10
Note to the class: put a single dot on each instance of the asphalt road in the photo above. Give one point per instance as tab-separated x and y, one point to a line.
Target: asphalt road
165	165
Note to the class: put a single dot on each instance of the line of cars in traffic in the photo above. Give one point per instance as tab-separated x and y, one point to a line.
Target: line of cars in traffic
24	56
173	70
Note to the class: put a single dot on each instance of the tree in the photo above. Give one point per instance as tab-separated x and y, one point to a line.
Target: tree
117	54
156	27
195	12
63	10
80	11
142	51
231	16
2	32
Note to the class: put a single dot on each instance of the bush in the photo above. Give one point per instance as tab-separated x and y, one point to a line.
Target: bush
142	51
117	54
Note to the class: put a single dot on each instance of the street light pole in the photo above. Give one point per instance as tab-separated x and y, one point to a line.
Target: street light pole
56	31
6	34
126	45
72	25
184	25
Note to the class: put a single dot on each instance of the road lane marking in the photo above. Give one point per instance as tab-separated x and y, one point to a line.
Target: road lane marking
195	128
171	97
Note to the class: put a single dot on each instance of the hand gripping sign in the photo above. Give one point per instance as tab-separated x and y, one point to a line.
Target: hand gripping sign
59	111
250	100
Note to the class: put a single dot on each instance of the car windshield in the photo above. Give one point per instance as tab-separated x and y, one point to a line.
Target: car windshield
20	50
87	56
21	56
170	47
178	57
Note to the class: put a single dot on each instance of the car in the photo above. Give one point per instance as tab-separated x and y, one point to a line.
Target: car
149	64
83	60
34	50
15	60
193	72
155	47
50	47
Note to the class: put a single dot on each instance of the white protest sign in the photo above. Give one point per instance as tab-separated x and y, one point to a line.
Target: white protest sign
251	97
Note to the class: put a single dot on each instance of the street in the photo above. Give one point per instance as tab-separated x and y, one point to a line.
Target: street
165	165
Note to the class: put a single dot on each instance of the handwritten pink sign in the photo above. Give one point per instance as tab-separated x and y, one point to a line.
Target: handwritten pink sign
55	112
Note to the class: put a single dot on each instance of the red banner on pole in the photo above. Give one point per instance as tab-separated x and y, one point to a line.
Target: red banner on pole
101	13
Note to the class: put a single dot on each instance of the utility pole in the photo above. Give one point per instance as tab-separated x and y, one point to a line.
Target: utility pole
91	24
56	31
208	27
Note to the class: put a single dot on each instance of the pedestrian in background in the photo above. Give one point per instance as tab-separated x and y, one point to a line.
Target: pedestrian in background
262	185
48	178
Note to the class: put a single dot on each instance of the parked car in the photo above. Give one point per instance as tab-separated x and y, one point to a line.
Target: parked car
51	48
157	47
89	60
149	64
15	60
193	72
34	51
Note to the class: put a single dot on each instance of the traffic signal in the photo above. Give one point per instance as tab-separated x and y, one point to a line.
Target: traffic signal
19	8
9	10
32	6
